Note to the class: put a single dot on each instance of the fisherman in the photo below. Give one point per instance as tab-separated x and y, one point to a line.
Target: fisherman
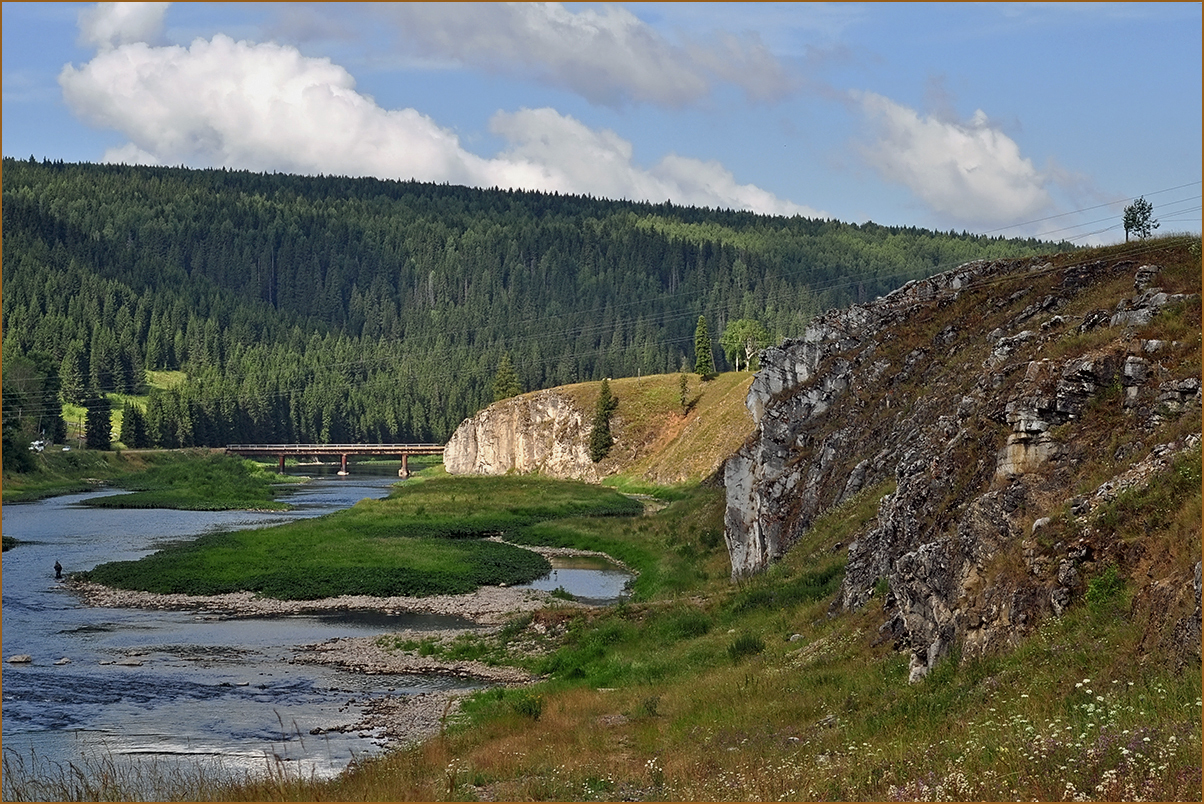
58	571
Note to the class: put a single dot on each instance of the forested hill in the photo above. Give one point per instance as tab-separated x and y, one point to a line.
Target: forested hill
324	308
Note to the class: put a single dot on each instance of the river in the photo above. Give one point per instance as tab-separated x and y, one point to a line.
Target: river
177	686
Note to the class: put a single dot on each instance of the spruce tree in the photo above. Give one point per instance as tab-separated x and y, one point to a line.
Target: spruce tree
505	383
133	427
704	360
600	439
98	422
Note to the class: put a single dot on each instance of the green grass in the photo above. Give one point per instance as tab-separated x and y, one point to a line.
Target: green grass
209	483
57	472
425	539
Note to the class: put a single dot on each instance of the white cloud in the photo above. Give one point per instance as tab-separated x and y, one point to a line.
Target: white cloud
107	25
579	159
970	171
607	55
263	106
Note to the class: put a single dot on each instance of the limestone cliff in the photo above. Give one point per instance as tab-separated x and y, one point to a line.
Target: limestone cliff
662	433
542	431
994	398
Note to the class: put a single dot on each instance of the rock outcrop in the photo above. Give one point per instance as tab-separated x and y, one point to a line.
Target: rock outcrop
541	431
980	437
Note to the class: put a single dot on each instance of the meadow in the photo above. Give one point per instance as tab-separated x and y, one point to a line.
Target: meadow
426	538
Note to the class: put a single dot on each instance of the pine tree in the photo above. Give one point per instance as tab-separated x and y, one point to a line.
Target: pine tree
71	374
133	427
704	360
600	439
506	384
99	421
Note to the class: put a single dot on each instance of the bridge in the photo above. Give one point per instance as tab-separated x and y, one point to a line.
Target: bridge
282	451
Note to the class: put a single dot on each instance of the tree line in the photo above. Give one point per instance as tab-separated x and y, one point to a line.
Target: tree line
329	308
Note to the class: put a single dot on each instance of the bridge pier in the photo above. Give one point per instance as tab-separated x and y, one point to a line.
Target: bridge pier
404	471
343	468
281	467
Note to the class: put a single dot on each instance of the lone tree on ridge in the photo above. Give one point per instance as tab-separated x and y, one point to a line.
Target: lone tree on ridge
1139	219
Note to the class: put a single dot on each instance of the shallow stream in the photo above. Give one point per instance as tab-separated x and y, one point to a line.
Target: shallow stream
177	685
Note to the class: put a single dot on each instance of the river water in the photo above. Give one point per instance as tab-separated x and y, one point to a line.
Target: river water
206	690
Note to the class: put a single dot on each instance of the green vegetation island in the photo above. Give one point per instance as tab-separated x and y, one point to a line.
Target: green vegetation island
210	307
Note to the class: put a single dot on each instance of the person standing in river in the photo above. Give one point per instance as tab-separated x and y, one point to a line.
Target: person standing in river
58	571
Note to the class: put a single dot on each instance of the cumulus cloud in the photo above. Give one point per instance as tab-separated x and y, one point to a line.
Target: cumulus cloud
970	171
608	55
574	156
263	106
107	25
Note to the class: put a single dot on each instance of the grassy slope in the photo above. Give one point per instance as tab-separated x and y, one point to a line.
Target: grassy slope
659	442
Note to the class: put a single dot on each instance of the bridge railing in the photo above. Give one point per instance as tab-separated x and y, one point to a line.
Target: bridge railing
333	447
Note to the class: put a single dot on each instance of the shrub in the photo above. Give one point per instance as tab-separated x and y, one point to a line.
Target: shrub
1105	592
745	645
528	705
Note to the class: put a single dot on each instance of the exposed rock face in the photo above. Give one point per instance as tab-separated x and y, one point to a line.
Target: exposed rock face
978	435
542	431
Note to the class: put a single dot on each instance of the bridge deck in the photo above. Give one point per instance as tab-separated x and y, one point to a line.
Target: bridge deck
335	449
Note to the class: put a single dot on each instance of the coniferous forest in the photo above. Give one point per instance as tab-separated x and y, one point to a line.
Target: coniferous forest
330	309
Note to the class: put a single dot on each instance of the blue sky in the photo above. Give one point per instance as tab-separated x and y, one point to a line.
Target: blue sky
1013	119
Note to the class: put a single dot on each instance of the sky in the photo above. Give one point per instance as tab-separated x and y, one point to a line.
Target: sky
1007	119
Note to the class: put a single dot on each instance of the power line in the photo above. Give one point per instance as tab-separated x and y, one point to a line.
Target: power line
1088	209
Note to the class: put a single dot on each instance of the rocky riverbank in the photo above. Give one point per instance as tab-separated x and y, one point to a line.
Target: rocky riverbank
392	719
404	719
488	605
